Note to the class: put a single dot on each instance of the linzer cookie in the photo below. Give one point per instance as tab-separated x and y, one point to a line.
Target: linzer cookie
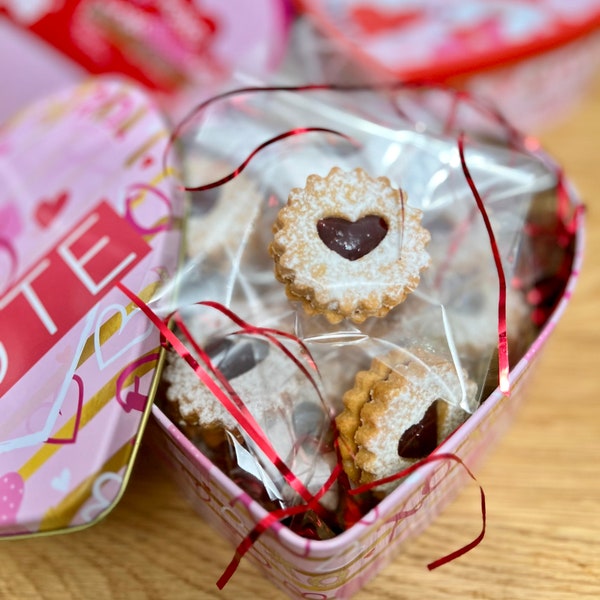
349	246
281	399
263	377
398	412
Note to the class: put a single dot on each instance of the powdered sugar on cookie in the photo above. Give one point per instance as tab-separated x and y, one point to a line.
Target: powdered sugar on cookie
264	378
349	246
398	412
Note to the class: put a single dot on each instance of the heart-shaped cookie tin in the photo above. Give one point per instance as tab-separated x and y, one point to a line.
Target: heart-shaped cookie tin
412	137
85	206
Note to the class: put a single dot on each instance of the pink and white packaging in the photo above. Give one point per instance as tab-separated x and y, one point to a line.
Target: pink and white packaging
85	206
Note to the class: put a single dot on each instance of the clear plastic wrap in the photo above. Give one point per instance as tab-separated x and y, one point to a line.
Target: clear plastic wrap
296	406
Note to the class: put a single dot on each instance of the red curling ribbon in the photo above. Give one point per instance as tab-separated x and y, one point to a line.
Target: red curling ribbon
388	88
242	415
176	133
268	521
476	541
414	467
503	361
481	105
277	138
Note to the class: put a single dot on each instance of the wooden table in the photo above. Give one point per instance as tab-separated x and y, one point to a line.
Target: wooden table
542	485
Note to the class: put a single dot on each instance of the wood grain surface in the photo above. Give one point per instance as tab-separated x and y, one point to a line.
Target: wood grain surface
542	484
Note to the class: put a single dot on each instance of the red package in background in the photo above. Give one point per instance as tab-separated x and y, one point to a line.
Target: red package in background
159	44
172	48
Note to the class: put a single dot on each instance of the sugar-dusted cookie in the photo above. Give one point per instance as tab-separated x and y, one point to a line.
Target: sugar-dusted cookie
280	397
241	361
348	245
398	412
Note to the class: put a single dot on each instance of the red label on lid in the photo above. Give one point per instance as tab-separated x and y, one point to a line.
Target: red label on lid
85	265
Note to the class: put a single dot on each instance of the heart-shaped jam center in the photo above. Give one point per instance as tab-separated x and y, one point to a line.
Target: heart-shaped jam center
420	440
352	239
234	359
203	201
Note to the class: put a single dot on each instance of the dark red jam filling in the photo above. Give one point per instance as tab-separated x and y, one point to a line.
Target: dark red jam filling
236	358
352	239
420	440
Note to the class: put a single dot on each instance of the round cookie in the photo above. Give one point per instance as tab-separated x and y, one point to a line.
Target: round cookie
264	378
192	400
348	246
279	396
398	412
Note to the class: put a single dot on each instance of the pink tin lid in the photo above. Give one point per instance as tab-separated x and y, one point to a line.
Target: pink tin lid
85	206
442	39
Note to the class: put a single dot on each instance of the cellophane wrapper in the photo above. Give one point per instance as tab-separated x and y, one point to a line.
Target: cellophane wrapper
487	199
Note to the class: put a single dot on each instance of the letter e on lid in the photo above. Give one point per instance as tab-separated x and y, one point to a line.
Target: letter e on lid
63	286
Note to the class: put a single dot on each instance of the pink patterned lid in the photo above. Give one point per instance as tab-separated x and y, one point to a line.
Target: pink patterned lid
440	39
85	206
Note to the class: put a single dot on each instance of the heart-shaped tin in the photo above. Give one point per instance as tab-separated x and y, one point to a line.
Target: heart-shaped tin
260	207
86	205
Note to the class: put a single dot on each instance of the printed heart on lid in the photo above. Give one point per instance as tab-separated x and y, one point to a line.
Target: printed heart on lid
87	206
49	209
352	239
